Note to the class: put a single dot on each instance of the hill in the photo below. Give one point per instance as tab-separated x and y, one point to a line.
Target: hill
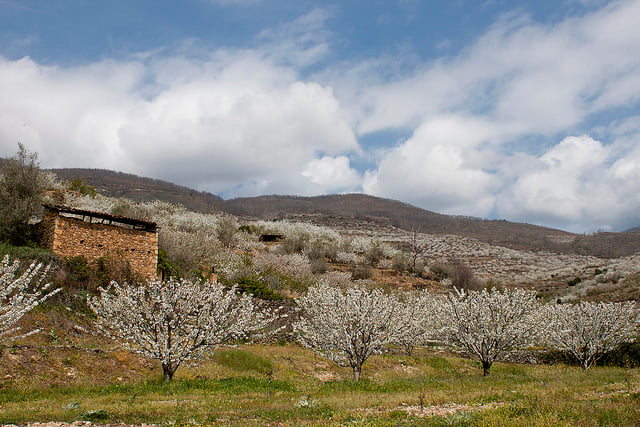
119	184
368	211
400	215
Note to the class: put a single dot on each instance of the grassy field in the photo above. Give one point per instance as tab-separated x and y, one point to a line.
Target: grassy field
288	385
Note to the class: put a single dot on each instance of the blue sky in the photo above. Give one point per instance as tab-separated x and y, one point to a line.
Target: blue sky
528	111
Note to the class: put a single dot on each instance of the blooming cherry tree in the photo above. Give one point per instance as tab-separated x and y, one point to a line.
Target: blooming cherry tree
20	294
488	323
420	319
348	326
177	320
588	330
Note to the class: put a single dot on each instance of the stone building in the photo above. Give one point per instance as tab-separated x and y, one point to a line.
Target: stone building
73	232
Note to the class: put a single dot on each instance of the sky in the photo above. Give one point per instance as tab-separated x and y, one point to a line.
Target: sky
521	110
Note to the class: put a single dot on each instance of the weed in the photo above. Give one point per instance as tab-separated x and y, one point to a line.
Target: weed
241	360
94	415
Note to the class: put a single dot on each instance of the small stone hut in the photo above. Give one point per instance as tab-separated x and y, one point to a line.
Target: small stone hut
71	232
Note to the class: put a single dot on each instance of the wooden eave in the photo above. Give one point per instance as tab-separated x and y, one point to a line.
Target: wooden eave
137	224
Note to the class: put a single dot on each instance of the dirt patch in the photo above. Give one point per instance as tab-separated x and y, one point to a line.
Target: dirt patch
446	409
443	410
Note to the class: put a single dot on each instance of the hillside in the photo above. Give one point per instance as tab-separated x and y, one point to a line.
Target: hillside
369	211
119	184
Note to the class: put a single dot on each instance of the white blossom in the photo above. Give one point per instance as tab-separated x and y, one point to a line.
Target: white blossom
177	320
19	294
420	319
588	330
298	230
489	323
295	265
349	258
348	326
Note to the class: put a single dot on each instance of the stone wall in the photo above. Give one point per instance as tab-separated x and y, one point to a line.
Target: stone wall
70	237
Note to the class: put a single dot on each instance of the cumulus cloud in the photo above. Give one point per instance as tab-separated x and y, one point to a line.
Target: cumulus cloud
487	123
436	168
501	129
233	123
332	172
575	184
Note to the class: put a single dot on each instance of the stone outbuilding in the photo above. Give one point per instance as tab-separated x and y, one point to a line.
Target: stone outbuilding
71	232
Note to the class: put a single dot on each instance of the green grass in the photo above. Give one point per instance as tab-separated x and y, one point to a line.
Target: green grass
260	385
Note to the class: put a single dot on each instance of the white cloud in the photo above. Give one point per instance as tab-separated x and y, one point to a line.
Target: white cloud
234	123
474	111
525	76
332	173
575	186
243	121
300	43
436	168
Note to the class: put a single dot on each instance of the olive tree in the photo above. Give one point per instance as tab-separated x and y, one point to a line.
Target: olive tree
348	326
19	294
21	191
589	330
489	323
177	320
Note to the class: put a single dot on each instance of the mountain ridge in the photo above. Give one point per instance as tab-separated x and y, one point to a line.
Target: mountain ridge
330	208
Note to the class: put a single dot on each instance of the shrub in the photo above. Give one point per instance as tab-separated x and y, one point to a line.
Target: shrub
115	267
29	253
82	187
462	277
319	249
319	266
400	262
258	289
226	230
440	271
361	272
295	244
374	254
574	281
165	267
79	275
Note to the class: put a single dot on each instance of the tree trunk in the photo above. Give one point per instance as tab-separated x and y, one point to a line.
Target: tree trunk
408	349
485	368
356	373
168	370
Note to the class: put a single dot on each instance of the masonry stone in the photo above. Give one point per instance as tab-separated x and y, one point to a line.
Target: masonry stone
79	235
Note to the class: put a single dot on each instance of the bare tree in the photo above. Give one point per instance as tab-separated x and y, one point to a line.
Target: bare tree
416	250
463	277
176	320
348	327
489	323
19	294
589	330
